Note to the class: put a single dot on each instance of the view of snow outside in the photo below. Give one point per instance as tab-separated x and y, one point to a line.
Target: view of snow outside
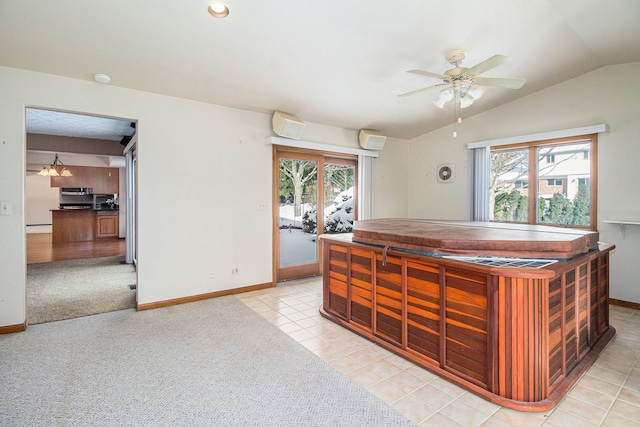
298	233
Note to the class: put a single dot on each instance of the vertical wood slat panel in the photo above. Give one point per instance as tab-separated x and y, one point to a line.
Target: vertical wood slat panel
388	299
423	309
361	287
337	279
520	328
555	330
582	307
466	325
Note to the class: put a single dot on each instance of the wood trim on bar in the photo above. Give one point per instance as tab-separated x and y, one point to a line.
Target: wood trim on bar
200	297
10	329
627	304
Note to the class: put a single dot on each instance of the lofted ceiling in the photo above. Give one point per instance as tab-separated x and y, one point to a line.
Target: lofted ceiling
335	62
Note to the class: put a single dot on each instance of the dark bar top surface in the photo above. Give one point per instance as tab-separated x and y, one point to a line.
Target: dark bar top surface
476	238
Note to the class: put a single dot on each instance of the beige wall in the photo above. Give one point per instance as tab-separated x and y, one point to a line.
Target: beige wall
608	95
203	171
390	180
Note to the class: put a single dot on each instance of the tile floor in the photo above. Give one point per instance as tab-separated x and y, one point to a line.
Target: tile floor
607	395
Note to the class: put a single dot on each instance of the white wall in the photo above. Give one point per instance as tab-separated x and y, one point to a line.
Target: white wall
608	95
40	198
202	170
390	180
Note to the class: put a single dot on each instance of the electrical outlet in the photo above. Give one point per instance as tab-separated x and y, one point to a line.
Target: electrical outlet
263	206
212	275
234	271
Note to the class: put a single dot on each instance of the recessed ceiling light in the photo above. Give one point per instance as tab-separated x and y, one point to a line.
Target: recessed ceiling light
219	10
102	78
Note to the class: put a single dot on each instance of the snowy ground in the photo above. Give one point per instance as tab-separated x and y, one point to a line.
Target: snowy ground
296	247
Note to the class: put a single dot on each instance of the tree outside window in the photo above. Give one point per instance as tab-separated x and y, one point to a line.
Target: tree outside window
548	182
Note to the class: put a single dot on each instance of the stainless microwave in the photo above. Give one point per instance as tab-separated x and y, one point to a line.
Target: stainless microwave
75	191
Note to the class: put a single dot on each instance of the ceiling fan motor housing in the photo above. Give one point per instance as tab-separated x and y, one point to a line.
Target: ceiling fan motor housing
456	56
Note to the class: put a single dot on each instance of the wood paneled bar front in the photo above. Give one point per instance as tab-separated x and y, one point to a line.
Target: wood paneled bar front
83	225
519	337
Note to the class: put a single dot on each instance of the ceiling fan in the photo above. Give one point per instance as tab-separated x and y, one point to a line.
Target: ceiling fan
464	84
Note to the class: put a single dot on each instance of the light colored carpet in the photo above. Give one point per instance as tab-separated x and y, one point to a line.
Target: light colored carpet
68	289
208	363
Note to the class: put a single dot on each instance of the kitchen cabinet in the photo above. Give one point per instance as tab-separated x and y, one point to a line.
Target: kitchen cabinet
83	225
100	180
73	225
106	224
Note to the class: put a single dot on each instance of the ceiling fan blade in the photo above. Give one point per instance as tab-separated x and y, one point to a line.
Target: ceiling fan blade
413	92
487	64
500	82
429	74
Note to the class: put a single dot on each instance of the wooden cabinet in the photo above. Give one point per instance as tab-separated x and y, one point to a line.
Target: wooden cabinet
107	224
73	225
83	225
100	180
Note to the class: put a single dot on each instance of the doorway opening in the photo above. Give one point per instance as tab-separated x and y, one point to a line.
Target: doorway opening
314	193
76	250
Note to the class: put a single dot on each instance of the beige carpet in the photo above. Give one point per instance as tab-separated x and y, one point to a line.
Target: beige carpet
208	363
68	289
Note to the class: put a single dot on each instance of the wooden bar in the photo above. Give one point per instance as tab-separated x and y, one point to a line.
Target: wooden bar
519	337
83	225
73	225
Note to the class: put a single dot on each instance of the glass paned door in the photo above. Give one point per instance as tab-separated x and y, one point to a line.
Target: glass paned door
339	196
315	195
297	216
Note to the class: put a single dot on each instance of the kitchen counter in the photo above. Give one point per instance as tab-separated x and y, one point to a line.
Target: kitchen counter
82	225
86	209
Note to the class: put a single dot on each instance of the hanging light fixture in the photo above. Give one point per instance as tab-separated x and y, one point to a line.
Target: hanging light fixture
462	94
52	171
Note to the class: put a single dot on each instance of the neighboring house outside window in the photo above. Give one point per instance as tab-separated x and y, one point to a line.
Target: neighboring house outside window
545	182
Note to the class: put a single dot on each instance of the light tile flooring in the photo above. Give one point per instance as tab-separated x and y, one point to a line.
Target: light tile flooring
607	395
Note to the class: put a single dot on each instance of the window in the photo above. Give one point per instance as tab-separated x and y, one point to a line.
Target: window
521	183
545	182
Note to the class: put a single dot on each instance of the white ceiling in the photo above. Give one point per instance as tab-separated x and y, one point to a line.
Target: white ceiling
335	62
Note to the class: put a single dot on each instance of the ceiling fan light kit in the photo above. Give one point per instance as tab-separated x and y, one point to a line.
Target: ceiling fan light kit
462	85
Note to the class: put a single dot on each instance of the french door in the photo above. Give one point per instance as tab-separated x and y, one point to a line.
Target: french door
314	193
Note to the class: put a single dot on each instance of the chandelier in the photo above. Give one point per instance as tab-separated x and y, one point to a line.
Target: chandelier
52	171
